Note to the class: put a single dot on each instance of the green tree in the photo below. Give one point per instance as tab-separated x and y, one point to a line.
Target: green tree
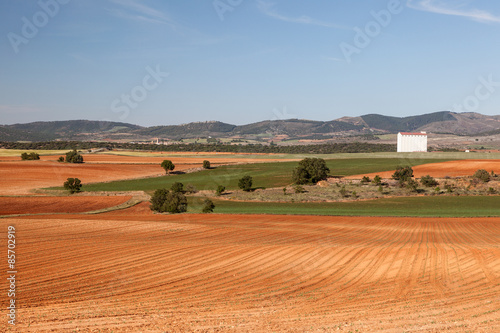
164	201
167	165
177	187
73	185
206	164
208	206
220	189
245	183
74	157
60	159
310	171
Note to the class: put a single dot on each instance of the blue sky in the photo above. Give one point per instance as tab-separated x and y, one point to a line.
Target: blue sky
157	62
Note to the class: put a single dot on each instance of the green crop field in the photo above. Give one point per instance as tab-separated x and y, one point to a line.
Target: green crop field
432	206
265	175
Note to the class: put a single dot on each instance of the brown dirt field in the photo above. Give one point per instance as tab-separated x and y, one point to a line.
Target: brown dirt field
443	169
24	176
73	204
135	271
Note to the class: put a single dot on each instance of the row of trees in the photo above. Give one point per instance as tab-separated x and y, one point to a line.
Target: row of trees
30	156
330	148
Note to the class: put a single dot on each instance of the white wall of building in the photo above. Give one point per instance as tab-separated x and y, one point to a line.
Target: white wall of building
412	142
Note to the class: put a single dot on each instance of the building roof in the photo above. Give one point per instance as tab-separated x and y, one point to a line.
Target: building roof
412	133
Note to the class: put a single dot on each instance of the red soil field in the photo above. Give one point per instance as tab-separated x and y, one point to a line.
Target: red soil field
135	271
443	169
73	204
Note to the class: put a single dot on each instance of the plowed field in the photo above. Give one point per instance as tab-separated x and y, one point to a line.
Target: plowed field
443	169
133	271
74	204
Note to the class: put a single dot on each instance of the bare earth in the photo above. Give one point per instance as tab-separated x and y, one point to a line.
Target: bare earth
134	271
443	169
42	204
131	270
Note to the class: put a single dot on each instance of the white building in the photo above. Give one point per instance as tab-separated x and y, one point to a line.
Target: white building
412	142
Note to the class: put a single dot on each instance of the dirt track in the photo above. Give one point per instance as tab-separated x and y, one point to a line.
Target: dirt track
133	271
443	169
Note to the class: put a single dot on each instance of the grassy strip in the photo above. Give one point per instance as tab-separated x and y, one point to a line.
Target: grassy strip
435	206
265	175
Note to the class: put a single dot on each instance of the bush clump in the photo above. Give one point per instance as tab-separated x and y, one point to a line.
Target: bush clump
208	206
74	157
310	171
206	164
428	181
30	157
73	185
165	201
220	189
482	175
246	183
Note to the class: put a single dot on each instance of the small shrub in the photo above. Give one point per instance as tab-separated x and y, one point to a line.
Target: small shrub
428	181
491	190
412	185
220	189
60	159
365	179
190	188
403	174
380	189
354	194
299	189
284	190
168	166
343	192
245	183
206	164
177	187
73	185
437	190
482	175
377	180
208	206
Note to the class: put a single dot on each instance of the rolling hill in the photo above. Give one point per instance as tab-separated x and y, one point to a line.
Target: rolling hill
87	130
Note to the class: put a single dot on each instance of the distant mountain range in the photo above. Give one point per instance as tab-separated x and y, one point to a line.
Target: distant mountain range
84	130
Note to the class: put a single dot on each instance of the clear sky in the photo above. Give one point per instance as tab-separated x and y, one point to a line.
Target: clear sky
160	62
